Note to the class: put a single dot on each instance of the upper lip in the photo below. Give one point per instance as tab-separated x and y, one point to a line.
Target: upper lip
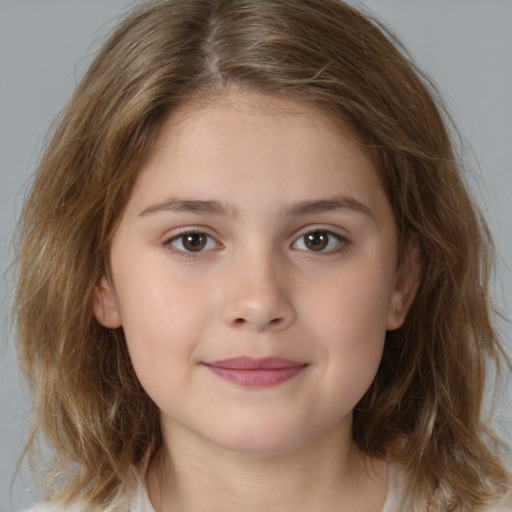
255	363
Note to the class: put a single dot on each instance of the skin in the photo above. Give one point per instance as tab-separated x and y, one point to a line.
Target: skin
271	172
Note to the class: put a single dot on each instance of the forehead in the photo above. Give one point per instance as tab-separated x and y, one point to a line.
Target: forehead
257	109
244	143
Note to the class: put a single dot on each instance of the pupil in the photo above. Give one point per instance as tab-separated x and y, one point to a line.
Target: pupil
194	241
316	241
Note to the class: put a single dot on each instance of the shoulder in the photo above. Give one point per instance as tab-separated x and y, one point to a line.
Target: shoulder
64	507
77	506
55	507
133	499
398	498
504	505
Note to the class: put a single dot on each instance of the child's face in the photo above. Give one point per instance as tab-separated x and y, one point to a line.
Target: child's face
255	230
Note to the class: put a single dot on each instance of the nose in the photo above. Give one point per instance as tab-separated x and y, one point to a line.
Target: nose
257	296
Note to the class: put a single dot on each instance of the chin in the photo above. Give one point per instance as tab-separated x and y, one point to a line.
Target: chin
257	439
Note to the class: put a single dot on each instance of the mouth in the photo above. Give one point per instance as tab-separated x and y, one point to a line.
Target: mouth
256	372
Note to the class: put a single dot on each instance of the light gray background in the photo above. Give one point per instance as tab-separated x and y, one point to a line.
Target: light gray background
45	45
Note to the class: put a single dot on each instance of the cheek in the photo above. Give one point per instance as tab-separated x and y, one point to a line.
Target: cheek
354	301
162	321
351	316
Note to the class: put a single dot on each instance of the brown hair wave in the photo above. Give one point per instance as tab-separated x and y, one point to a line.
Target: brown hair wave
424	408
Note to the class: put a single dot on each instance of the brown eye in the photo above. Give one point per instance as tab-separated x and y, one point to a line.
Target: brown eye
316	241
194	242
191	242
321	241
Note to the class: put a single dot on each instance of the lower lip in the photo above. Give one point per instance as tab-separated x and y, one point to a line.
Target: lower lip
257	378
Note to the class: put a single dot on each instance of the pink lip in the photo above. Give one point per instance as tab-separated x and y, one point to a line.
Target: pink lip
256	372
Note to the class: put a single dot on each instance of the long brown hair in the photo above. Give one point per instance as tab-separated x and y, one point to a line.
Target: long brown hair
424	407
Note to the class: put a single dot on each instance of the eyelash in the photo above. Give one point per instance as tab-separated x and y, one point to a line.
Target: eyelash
184	253
340	241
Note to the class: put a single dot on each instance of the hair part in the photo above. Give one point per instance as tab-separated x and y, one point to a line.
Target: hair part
422	409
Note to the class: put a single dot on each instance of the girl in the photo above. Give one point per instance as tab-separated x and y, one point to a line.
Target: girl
250	275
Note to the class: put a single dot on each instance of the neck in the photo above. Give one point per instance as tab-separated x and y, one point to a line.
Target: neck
327	475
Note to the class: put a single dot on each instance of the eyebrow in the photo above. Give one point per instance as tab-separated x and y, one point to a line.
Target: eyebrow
215	207
197	206
339	202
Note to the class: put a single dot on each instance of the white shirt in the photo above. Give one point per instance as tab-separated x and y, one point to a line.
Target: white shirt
138	500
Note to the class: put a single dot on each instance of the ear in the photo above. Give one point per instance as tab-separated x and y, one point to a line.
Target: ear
105	306
405	287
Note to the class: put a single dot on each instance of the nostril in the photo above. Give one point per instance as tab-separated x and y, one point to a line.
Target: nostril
242	321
